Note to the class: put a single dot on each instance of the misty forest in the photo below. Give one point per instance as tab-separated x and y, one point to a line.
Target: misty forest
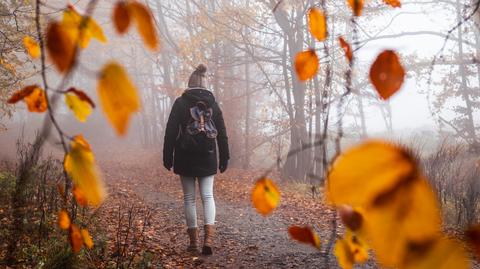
240	134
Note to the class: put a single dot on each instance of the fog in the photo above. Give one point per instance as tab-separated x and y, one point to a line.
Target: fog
248	49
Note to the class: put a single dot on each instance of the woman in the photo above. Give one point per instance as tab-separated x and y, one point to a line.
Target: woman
194	124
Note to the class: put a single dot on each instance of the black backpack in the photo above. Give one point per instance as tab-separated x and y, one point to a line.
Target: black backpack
198	132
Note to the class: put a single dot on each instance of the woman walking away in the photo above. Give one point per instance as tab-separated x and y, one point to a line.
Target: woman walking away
194	124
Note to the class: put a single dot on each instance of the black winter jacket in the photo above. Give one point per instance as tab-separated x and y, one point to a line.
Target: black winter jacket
185	163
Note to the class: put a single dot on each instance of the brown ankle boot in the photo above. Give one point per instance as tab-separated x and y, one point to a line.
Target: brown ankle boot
193	235
208	240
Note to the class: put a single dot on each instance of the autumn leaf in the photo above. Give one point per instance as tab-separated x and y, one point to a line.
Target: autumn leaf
393	3
31	46
75	238
387	74
81	29
305	235
350	250
87	239
61	47
79	196
317	24
80	165
63	220
306	64
356	6
121	17
33	96
346	48
79	103
265	196
368	170
439	253
145	24
118	96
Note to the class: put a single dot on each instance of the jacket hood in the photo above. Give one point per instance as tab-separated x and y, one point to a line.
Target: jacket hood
194	95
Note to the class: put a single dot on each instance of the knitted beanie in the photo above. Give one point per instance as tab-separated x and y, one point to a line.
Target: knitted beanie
197	78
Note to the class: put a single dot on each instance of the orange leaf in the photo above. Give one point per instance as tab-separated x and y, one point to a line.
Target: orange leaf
317	23
79	196
76	239
63	220
306	64
265	196
31	46
145	25
121	17
393	3
87	239
305	235
346	48
33	96
356	6
387	74
61	47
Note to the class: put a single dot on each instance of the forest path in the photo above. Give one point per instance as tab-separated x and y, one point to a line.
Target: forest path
244	238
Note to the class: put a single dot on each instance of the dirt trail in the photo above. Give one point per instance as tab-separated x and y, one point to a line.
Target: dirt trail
245	239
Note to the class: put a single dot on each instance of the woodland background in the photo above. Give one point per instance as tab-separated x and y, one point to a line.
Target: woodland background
249	48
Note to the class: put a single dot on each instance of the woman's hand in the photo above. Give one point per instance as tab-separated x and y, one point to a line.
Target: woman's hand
223	166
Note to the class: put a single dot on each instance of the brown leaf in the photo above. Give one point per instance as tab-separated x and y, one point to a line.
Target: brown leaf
21	94
121	17
346	48
82	95
305	235
387	74
61	47
356	6
306	64
473	238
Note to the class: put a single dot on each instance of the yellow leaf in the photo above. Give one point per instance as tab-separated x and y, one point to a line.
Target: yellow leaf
305	235
80	165
265	196
79	103
343	254
350	250
440	253
82	32
75	237
118	96
365	172
407	216
87	239
63	220
317	23
145	24
31	46
306	64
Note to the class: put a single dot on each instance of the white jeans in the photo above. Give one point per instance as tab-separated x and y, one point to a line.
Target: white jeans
206	191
